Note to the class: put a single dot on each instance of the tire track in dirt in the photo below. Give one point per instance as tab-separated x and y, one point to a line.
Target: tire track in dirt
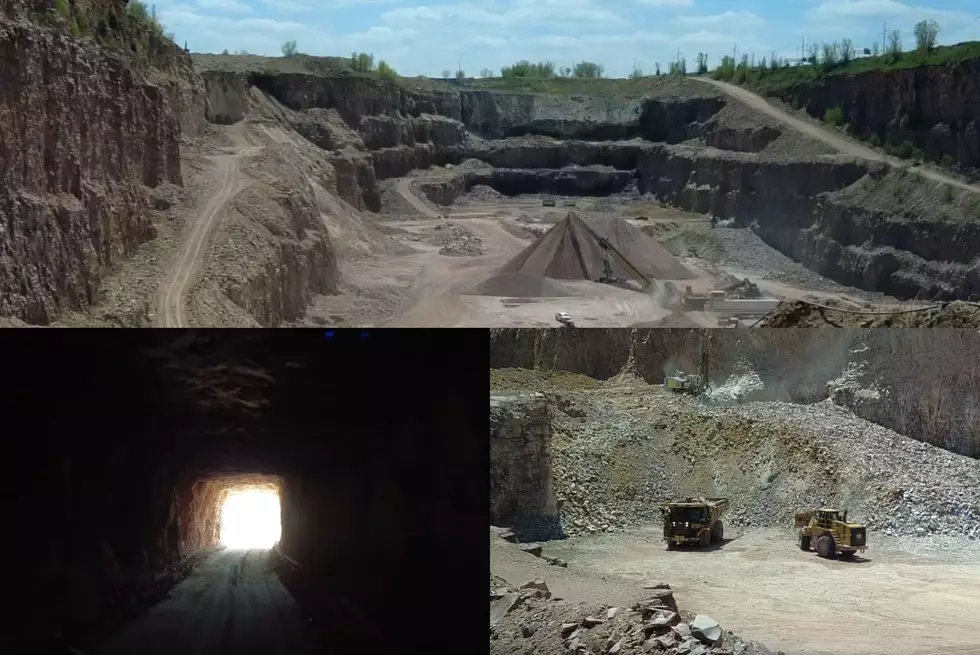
434	298
404	187
231	603
172	310
833	139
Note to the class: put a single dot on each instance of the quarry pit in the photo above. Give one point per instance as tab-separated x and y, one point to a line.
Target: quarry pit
586	444
284	192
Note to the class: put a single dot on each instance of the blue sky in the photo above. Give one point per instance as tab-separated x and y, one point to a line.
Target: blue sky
425	38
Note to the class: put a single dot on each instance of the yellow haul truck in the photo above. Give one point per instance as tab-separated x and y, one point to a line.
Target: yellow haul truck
694	521
829	530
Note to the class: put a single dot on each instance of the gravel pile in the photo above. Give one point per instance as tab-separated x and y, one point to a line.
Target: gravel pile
744	249
529	620
484	193
618	452
521	285
456	241
918	489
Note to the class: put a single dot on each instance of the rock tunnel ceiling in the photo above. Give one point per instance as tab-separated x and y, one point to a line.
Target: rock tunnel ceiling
133	448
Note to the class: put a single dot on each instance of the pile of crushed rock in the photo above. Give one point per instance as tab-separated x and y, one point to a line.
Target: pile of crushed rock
616	457
484	193
529	620
456	241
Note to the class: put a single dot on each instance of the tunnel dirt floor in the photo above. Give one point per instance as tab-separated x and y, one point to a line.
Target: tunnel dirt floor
129	445
231	602
460	247
762	587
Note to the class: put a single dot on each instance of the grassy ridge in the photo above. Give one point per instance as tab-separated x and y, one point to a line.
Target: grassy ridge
775	81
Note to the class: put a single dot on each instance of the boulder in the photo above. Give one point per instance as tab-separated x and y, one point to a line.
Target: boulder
537	584
706	629
531	549
500	607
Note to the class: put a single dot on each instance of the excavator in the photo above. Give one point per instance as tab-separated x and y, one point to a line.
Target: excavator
609	251
695	384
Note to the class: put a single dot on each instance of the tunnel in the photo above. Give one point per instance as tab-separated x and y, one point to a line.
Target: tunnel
242	492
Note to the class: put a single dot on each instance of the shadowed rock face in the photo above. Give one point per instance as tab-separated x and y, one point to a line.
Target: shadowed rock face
132	445
84	135
522	496
933	107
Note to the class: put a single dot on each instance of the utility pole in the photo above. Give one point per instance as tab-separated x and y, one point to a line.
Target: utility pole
884	37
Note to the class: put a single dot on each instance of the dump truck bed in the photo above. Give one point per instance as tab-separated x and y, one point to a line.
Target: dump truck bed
698	502
718	504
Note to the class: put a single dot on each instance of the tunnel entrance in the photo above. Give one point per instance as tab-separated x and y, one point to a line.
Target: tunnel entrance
250	518
165	447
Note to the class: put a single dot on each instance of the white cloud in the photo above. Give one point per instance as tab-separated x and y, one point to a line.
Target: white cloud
729	19
515	14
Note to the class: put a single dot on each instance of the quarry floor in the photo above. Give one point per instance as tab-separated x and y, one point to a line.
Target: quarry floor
762	587
392	272
230	603
429	289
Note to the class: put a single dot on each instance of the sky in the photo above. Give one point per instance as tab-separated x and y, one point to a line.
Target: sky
427	39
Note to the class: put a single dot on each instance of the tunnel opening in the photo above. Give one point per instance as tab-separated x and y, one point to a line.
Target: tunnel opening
137	446
250	517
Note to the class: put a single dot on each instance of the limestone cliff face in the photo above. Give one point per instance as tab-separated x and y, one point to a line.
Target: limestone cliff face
934	107
819	214
83	134
921	383
405	130
522	494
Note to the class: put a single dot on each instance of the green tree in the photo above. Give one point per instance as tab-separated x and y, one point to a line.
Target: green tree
362	62
702	63
926	33
588	70
386	72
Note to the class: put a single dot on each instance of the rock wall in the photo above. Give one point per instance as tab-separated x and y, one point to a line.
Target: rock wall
934	107
826	213
85	131
926	380
522	495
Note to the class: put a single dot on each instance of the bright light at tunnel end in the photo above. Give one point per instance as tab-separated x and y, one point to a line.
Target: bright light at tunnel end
250	519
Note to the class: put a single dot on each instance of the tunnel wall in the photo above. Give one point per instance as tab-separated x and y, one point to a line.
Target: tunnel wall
382	496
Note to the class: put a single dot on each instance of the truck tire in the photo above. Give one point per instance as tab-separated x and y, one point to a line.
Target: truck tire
804	541
717	532
704	539
826	547
671	545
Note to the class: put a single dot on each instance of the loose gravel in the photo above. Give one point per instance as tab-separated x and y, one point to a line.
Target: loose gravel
620	451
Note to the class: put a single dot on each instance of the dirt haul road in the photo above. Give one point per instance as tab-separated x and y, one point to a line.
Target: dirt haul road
173	302
762	587
434	298
230	603
830	137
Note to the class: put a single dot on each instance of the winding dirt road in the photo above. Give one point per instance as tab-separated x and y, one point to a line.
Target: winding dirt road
830	137
173	302
230	603
404	187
